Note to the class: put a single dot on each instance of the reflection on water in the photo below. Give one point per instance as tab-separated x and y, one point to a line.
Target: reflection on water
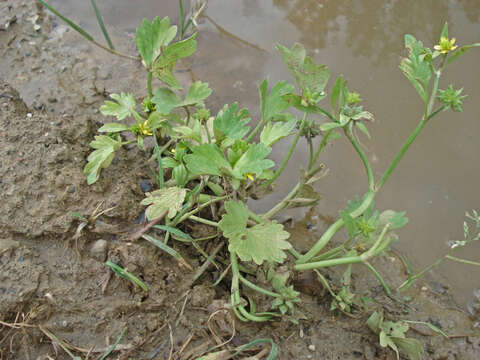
370	28
435	183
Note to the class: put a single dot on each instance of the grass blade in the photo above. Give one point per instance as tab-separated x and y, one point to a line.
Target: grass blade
102	25
109	351
167	249
125	274
68	21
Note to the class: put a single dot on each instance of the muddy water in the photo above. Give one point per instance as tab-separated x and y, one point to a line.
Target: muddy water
438	179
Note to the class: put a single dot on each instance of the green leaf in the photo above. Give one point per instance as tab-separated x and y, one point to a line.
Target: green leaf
198	92
460	51
113	127
162	200
206	159
330	126
416	68
262	242
375	321
306	73
166	100
395	219
350	223
273	104
231	122
166	63
296	101
123	106
253	161
180	174
444	31
337	92
412	347
168	162
101	157
151	37
363	128
452	98
272	132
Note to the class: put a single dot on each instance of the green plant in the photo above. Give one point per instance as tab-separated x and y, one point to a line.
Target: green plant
209	166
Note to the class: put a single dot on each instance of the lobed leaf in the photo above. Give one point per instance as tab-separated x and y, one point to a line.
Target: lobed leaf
231	122
253	161
166	100
273	132
164	200
151	37
101	157
206	159
273	104
262	242
123	106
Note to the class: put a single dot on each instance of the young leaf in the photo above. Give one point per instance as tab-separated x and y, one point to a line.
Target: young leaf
444	33
253	161
395	219
337	92
412	347
306	73
363	128
162	200
330	126
231	122
273	104
113	127
180	174
350	223
460	51
415	68
272	132
206	159
152	36
262	242
101	157
166	100
123	106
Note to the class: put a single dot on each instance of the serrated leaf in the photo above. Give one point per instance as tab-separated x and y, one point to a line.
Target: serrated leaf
273	132
152	36
231	122
162	200
123	106
166	100
206	159
101	157
262	242
273	104
306	73
253	161
113	127
394	218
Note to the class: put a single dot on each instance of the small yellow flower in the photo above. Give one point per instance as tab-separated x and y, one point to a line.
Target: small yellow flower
250	176
446	45
144	128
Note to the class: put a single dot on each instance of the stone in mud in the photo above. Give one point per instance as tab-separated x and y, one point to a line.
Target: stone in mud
98	251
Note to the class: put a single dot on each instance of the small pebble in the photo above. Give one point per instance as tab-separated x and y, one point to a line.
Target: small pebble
424	288
98	250
145	186
311	347
29	115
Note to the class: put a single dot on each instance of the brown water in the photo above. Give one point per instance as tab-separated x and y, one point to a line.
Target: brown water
438	179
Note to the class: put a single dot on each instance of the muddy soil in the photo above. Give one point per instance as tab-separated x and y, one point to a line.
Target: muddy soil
55	288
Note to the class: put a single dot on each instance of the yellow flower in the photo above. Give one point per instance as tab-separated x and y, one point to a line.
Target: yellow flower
144	128
249	176
445	45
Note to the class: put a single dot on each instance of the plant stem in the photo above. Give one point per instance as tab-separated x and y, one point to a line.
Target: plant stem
257	288
209	137
337	225
469	262
149	83
203	221
361	153
379	278
254	132
200	207
328	263
411	279
288	156
322	145
310	150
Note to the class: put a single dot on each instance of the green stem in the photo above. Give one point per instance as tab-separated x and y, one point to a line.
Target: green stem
288	156
469	262
257	288
337	225
411	279
149	84
328	263
361	153
379	278
209	137
322	145
203	221
254	132
310	148
200	207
